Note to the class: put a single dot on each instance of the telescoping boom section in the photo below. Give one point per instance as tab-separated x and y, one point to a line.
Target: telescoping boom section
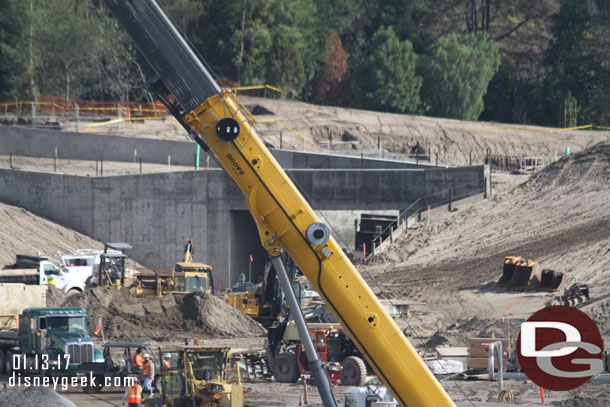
285	221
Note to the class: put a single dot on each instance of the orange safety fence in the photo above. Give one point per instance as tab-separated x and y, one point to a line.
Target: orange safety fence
59	106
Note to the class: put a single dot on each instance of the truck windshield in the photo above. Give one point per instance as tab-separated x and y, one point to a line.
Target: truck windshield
67	323
196	283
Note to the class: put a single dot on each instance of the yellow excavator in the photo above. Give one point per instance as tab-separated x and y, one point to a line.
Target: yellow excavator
221	126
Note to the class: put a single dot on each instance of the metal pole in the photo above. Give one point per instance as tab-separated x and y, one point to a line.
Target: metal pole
140	164
316	365
77	116
280	140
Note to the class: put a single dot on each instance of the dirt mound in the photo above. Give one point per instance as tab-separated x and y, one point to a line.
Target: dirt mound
591	166
55	296
162	319
34	396
457	333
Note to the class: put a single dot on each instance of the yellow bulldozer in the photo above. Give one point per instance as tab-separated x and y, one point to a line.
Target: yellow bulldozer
200	376
188	276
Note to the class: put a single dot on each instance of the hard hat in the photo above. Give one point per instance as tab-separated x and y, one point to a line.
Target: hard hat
167	355
146	356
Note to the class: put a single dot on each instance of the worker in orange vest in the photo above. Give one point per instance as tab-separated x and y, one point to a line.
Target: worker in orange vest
138	361
165	366
133	394
148	374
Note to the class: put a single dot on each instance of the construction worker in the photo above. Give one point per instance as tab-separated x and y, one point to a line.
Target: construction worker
148	373
138	361
133	394
165	366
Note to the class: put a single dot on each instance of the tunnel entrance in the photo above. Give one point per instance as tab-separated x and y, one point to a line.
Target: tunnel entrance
245	242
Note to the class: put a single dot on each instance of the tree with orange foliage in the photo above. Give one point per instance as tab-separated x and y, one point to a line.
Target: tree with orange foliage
330	88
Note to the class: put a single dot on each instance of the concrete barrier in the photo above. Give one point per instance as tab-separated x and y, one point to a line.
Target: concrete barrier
14	298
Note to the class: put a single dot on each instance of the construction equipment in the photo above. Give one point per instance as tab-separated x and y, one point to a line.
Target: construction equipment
332	345
262	302
221	126
50	341
113	366
187	277
200	376
577	294
368	396
190	276
524	274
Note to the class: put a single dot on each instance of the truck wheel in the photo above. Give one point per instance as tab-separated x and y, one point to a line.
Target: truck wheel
353	372
96	387
8	362
286	368
1	361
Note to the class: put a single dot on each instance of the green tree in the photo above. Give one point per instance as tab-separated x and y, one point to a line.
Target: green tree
457	73
576	77
285	66
12	66
387	78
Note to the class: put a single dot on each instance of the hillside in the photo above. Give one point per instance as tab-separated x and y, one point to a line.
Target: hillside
453	140
558	217
22	232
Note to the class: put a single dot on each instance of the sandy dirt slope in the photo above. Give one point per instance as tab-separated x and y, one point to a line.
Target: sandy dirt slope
454	140
559	217
22	232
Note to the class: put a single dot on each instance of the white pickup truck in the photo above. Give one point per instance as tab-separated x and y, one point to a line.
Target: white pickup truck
69	277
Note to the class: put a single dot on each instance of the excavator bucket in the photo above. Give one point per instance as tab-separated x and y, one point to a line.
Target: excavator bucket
553	280
524	270
509	268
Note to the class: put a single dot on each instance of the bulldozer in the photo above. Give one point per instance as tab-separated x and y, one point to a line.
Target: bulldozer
187	277
200	376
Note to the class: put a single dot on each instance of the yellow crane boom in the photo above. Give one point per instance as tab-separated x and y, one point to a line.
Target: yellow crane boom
218	122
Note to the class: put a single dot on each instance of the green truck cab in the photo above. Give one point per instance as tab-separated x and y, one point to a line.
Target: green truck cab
48	341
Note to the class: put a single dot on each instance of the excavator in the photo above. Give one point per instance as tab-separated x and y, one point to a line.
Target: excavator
219	123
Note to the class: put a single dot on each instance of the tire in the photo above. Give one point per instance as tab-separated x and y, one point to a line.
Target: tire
1	361
99	380
353	372
74	291
8	362
286	368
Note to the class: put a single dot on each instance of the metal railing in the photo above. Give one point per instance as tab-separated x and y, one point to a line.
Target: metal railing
425	204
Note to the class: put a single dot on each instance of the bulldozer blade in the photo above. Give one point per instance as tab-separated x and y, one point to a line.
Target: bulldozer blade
521	275
535	277
559	282
509	268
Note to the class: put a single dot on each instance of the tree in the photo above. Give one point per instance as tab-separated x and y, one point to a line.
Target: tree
285	66
12	24
387	75
457	73
574	74
330	87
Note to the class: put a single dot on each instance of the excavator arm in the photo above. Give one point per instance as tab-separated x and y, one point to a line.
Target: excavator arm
218	122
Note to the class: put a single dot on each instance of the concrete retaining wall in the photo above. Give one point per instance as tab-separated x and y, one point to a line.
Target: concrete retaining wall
34	142
157	213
